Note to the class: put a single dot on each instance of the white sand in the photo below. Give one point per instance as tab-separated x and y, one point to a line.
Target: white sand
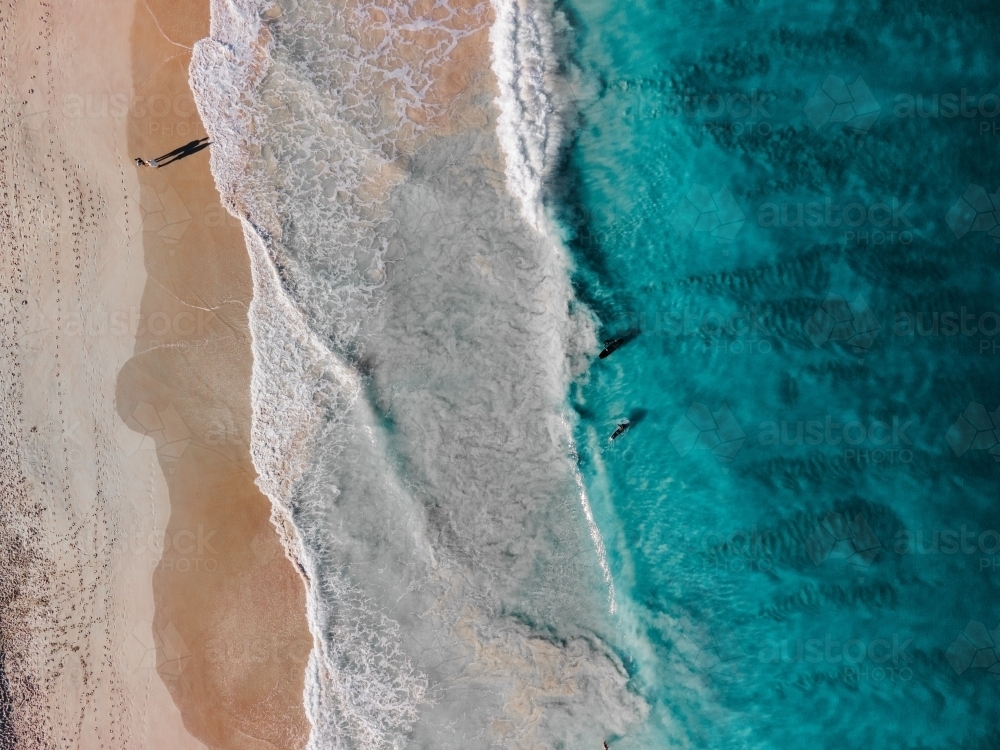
90	495
145	600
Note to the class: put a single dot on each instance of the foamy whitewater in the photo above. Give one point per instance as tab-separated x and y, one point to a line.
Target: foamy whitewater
413	339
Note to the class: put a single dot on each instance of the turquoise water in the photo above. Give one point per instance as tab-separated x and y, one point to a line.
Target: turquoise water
801	519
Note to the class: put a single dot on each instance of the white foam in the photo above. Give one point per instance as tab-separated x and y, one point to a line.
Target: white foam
530	126
296	382
530	129
409	574
595	535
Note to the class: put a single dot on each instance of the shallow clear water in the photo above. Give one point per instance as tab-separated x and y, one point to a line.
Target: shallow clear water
801	524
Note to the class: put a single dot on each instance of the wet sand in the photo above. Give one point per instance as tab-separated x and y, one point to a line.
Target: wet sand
225	594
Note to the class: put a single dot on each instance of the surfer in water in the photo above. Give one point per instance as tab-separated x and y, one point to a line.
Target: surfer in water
178	153
622	429
612	345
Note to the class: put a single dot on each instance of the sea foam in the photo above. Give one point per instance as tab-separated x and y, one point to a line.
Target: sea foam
412	345
530	124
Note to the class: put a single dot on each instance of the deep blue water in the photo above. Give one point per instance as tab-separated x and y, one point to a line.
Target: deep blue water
801	523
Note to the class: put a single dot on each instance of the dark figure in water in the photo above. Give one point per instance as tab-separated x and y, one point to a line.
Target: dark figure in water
622	429
605	745
178	153
612	345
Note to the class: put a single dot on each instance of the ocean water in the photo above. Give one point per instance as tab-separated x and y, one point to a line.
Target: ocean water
772	202
785	214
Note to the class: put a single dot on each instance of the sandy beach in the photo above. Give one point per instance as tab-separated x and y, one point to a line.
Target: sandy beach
147	601
227	589
86	501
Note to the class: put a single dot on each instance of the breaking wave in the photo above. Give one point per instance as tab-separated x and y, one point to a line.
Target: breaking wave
413	340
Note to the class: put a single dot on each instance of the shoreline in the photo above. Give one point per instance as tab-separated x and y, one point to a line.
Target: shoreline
463	234
223	586
178	588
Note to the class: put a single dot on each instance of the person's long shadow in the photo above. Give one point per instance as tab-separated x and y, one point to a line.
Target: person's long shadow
188	149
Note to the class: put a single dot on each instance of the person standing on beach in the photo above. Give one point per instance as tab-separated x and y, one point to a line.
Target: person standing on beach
178	153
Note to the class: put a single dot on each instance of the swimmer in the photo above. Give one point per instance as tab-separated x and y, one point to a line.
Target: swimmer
612	345
622	429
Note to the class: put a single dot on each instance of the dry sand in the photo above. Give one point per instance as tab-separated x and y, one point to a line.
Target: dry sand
144	601
83	501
